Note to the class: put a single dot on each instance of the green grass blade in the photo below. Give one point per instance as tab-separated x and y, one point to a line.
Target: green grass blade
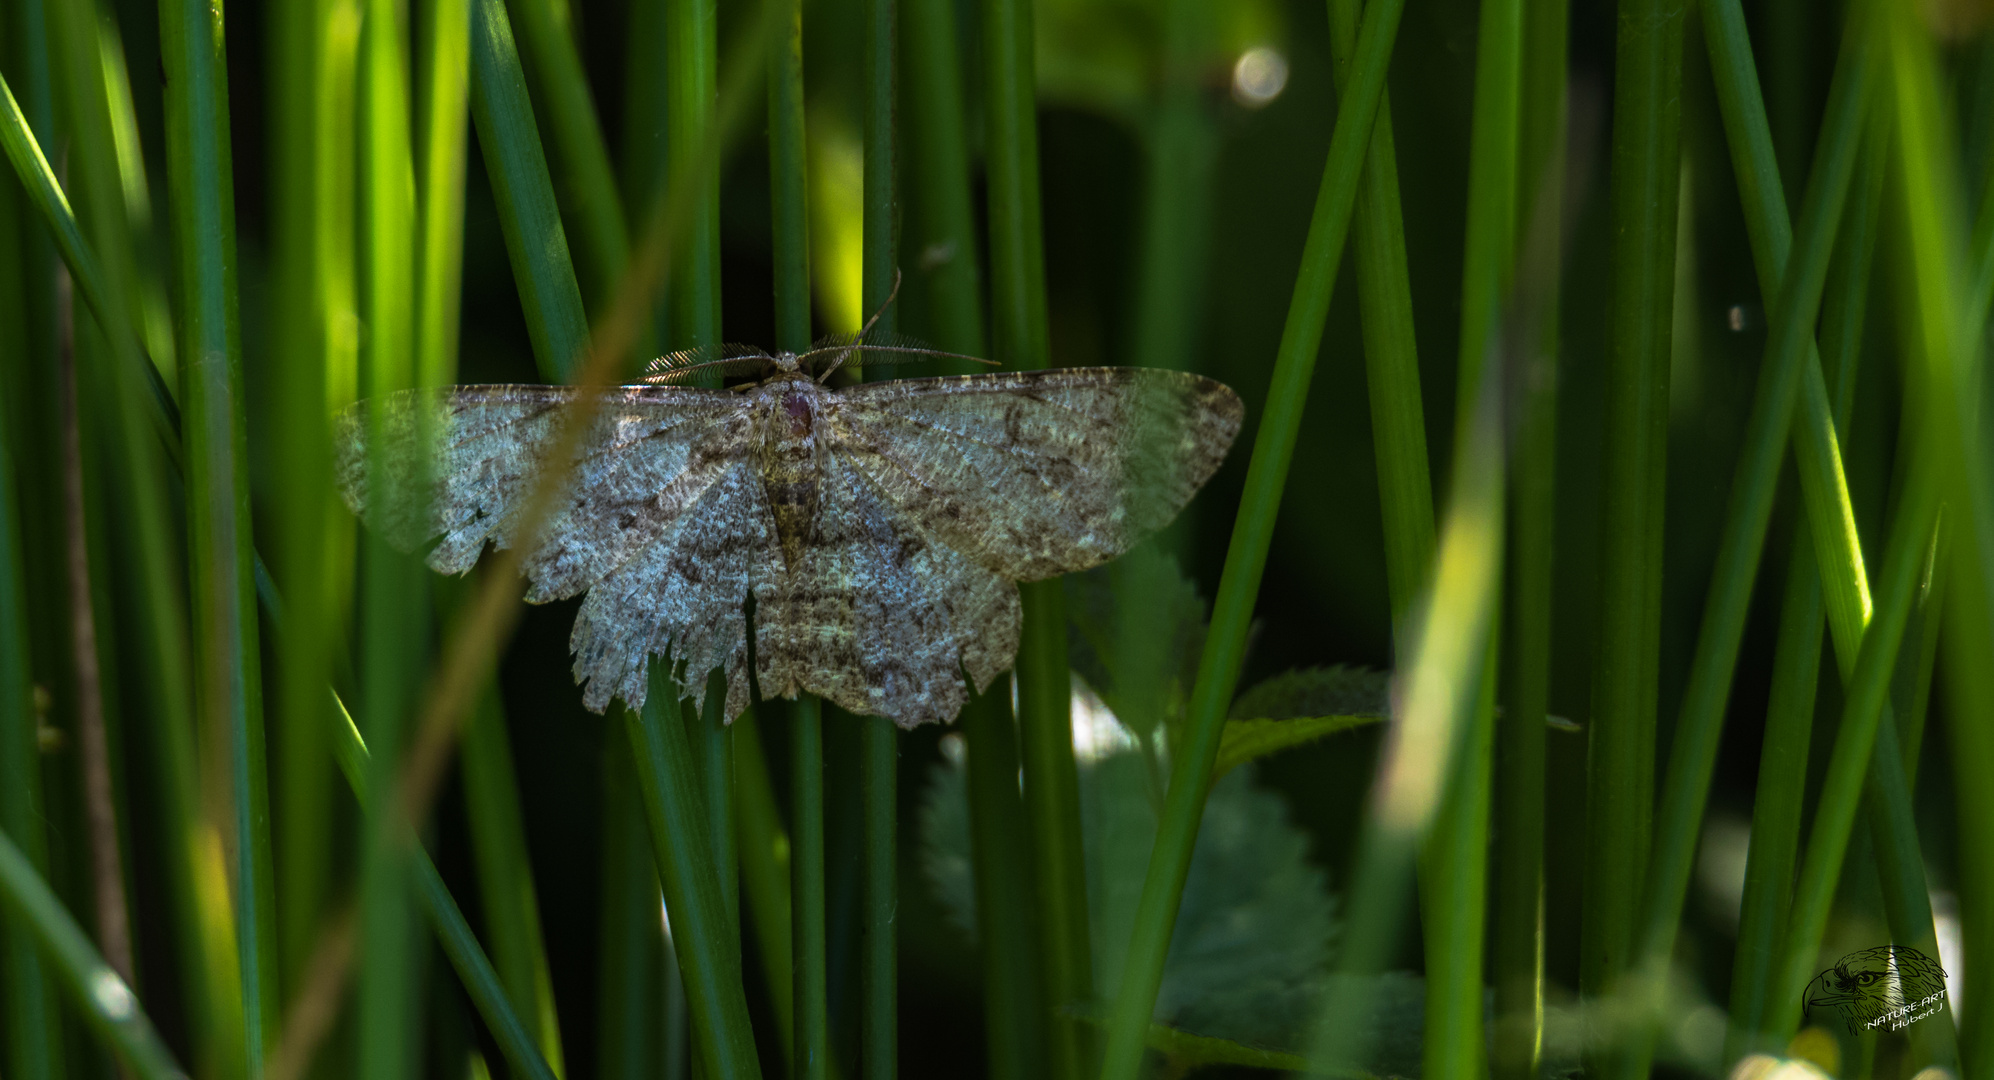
98	993
443	101
1013	1010
1021	339
1246	557
305	60
1942	385
812	1056
1693	757
228	688
1391	354
808	1031
528	214
505	875
938	168
474	969
587	181
1455	877
630	935
879	767
691	37
1645	167
1517	952
394	608
674	804
29	1023
1182	142
765	871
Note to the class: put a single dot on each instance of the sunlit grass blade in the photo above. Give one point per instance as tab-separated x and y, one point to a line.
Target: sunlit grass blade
1454	877
1644	170
106	1003
691	34
1020	338
1246	557
228	685
395	612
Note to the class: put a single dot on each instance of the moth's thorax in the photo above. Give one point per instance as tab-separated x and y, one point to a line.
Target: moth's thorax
791	405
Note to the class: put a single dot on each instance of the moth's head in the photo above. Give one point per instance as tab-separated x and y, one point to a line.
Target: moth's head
785	362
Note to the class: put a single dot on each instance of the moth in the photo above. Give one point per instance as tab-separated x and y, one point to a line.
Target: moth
878	528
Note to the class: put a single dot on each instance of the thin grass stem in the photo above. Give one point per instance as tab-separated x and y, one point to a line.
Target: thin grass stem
1391	353
30	1023
1517	953
474	969
766	852
938	167
105	1001
630	938
1246	557
1645	167
228	685
675	805
812	1057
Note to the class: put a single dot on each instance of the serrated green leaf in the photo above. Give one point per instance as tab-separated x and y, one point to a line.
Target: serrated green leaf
1338	690
1245	740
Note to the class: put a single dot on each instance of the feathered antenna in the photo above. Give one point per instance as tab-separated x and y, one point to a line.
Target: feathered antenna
847	350
882	341
673	368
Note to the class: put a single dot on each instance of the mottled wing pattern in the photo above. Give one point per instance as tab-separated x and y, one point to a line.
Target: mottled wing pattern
662	521
877	616
1038	473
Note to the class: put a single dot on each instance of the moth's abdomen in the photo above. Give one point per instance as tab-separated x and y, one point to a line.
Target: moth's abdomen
791	471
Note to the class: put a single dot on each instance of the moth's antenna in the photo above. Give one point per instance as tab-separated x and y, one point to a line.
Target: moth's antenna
863	330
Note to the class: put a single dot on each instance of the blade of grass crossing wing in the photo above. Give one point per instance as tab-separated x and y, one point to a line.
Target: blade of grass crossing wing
1020	338
879	1019
1246	557
1014	1009
228	687
809	1027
